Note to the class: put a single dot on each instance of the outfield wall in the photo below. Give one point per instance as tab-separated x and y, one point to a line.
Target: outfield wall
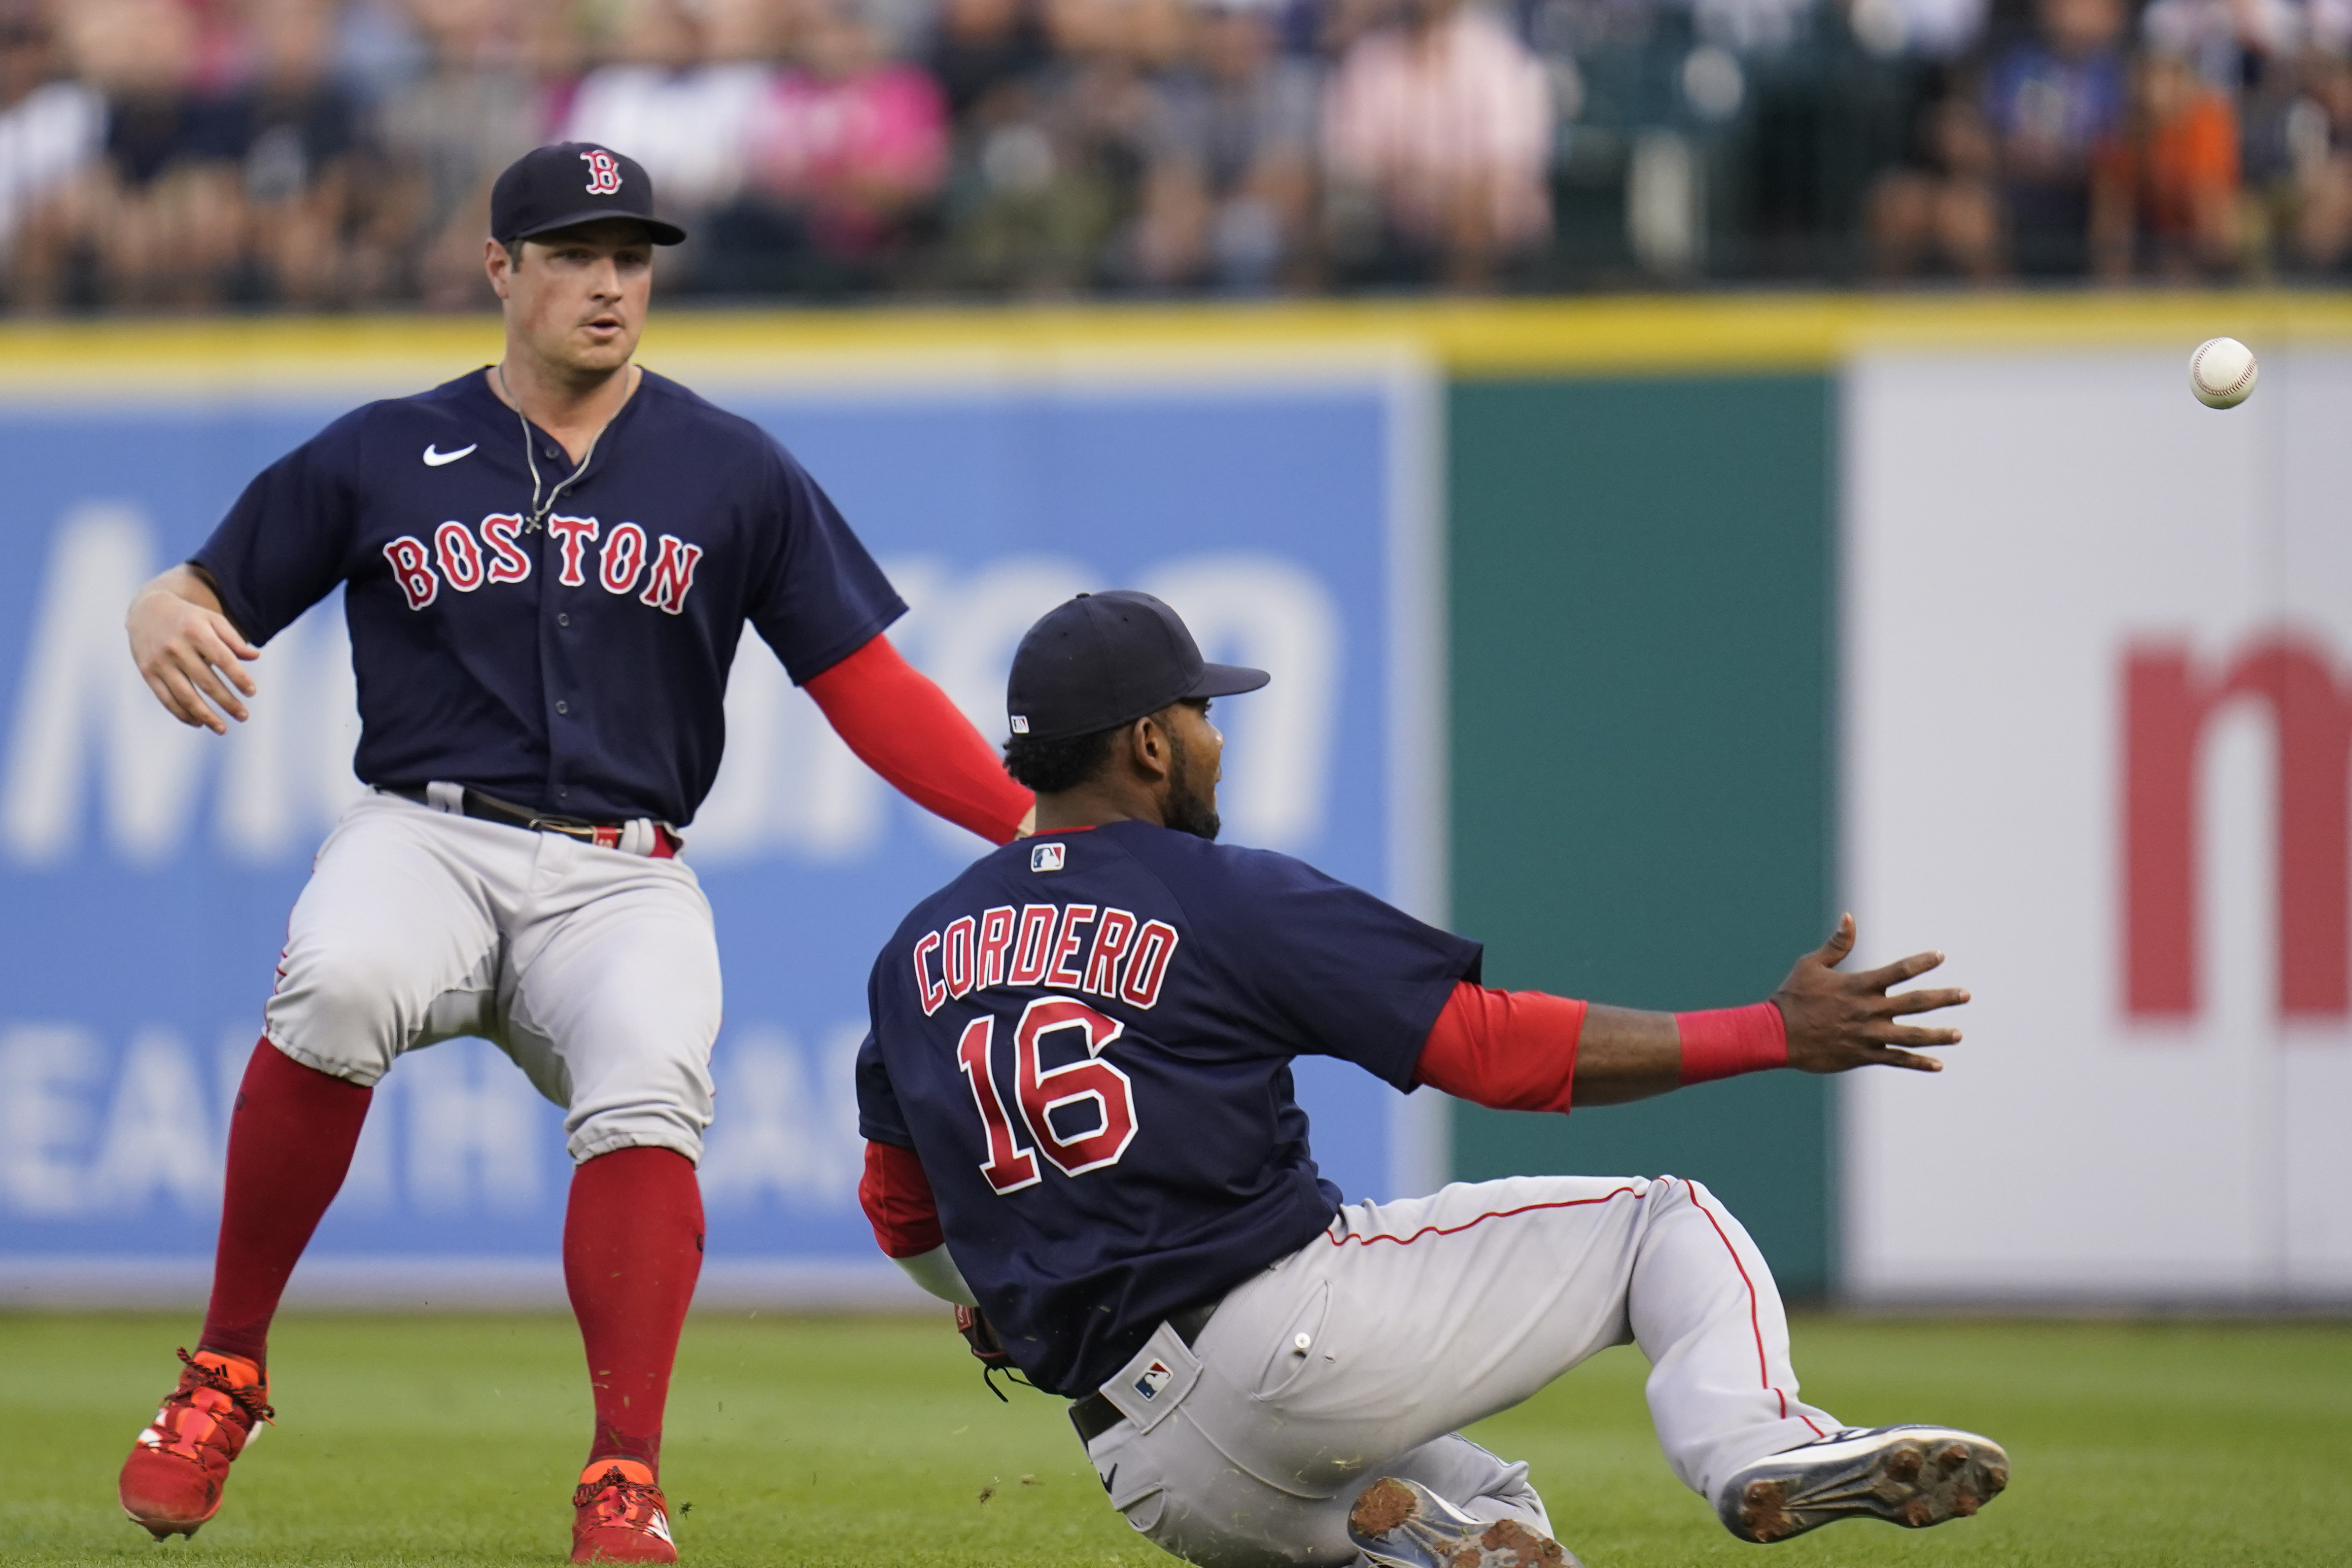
1577	566
1641	641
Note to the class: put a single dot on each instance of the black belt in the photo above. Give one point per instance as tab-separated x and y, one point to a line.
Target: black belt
1096	1414
491	809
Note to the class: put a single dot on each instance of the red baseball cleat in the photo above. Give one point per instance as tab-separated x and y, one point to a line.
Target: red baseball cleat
172	1482
621	1517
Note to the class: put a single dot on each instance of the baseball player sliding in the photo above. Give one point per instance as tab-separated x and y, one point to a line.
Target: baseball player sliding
1078	1098
547	567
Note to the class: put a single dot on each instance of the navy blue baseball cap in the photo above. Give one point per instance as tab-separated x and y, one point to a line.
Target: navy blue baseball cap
550	188
1103	660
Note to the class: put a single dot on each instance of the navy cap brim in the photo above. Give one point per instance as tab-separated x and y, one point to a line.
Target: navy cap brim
1227	681
660	232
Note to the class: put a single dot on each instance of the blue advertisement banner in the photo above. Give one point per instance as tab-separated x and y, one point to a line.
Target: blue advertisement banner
146	869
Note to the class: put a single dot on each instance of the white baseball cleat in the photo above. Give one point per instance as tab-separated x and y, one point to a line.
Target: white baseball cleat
1403	1524
1910	1476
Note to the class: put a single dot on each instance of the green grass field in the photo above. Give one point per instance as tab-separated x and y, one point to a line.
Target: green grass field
870	1441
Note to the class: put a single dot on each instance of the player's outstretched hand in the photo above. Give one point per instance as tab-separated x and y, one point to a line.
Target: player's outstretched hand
191	655
1839	1021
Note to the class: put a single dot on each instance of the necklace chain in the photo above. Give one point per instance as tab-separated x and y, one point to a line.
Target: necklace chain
540	509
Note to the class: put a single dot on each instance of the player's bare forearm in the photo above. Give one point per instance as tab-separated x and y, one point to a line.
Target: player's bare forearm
1624	1054
1839	1021
1834	1023
190	654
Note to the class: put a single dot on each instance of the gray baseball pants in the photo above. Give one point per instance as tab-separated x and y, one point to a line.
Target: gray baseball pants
1360	1355
596	969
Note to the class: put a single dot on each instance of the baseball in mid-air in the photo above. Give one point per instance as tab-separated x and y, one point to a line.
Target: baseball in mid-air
2222	372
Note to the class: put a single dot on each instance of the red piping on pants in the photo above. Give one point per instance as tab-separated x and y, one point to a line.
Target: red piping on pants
1763	1372
1457	1230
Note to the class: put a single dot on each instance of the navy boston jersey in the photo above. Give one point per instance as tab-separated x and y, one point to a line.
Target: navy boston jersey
577	665
1086	1040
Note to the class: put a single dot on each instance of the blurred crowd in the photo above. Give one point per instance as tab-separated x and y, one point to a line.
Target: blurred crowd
338	154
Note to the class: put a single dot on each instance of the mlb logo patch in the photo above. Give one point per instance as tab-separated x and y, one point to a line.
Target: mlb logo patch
1155	1378
1046	857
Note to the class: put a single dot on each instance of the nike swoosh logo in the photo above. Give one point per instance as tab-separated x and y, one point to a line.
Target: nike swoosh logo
435	459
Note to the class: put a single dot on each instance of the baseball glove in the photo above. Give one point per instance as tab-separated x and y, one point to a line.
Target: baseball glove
987	1349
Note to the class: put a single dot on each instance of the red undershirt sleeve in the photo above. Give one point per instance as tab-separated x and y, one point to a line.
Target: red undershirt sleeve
897	1198
904	727
1508	1050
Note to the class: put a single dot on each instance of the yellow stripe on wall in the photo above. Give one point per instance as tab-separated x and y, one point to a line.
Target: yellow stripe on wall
1467	338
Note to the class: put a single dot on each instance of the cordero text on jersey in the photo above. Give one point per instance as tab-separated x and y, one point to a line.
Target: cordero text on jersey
1127	956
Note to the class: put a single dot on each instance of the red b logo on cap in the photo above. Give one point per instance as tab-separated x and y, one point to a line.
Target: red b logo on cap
603	173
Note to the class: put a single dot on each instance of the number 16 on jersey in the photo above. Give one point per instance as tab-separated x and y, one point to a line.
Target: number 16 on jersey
1042	1091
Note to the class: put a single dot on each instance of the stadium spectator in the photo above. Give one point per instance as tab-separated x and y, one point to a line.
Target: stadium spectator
314	153
758	31
850	143
1027	212
1046	172
1941	212
2166	194
377	50
306	202
162	215
1231	143
2227	42
1923	29
476	108
1441	121
51	134
2056	105
981	46
2319	146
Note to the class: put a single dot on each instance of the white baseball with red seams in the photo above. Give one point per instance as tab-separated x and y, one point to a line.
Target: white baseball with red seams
1365	1352
2222	372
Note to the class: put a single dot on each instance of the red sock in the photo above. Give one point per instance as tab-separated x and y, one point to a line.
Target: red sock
632	1251
290	1144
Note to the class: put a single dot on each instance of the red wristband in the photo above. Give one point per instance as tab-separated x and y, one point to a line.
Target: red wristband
1728	1041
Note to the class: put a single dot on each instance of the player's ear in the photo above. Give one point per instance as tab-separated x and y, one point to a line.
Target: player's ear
498	261
1147	742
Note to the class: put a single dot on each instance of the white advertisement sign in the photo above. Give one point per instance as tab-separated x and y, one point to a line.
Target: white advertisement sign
2097	724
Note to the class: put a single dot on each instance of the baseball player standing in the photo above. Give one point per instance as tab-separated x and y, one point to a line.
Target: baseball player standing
548	565
1078	1097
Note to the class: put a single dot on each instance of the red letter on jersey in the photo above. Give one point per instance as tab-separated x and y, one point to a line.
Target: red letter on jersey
1046	1090
412	568
510	563
673	575
1112	936
460	556
995	936
1010	1168
934	997
1149	966
1066	946
1032	952
957	966
574	532
623	559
